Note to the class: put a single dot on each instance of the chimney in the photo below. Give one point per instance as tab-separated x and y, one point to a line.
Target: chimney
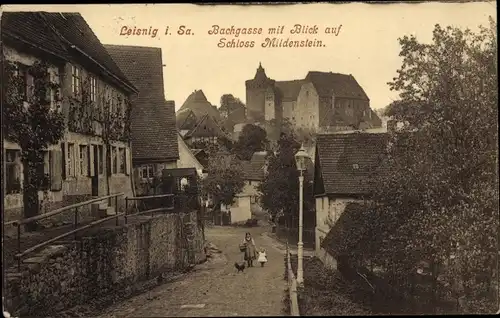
391	125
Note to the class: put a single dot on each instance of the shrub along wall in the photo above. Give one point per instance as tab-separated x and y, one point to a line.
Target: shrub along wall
108	261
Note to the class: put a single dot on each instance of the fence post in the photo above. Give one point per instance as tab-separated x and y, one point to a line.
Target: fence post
126	209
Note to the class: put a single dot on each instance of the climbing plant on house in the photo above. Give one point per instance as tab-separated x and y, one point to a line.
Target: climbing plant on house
32	118
98	110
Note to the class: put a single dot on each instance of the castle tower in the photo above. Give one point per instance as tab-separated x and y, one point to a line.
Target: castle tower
256	89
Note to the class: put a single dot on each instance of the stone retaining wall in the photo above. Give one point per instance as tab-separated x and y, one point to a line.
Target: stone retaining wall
108	260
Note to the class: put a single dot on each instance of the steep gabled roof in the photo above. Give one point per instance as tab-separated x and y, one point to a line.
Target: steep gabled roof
346	162
254	169
66	35
341	85
198	103
289	90
185	119
31	28
206	127
343	228
154	133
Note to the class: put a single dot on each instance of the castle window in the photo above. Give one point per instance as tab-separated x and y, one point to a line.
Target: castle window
307	93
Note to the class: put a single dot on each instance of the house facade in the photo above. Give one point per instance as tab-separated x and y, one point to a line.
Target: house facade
153	131
322	101
187	158
344	164
94	156
247	202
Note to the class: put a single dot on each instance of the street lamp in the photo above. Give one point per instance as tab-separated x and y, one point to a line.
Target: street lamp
301	159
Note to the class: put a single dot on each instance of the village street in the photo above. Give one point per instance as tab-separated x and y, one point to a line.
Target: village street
215	288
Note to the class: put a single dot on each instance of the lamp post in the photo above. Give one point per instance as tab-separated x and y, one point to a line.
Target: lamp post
301	159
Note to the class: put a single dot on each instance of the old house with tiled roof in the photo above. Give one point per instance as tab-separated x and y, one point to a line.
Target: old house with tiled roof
322	101
247	201
207	130
198	103
84	163
344	167
153	129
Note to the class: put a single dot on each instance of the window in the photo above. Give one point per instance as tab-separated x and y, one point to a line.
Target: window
370	114
100	162
147	172
28	82
76	80
83	160
307	93
71	160
322	204
51	92
93	89
13	171
122	160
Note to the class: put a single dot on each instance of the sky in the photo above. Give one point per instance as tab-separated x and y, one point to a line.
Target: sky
364	44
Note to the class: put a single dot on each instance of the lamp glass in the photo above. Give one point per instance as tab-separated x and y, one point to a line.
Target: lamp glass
300	158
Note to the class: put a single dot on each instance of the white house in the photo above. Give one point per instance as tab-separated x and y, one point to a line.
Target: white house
343	164
248	200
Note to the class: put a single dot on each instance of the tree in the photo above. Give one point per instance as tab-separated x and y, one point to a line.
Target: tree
224	179
280	188
32	121
230	104
437	195
251	139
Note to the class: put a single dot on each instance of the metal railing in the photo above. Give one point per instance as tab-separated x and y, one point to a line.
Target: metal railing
158	206
292	286
75	230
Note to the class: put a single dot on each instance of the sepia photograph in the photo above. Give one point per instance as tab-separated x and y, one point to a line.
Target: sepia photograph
250	159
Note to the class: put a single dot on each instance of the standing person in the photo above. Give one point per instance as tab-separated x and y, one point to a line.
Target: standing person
250	249
262	257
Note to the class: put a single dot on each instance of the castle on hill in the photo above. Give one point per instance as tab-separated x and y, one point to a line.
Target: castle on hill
323	101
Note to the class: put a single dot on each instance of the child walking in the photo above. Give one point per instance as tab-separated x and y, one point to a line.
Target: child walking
262	257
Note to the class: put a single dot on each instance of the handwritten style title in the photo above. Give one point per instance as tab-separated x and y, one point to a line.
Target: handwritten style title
298	35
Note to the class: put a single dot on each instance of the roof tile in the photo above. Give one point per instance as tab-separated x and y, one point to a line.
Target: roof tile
154	133
341	85
347	161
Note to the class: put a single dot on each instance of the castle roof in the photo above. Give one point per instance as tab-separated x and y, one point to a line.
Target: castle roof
65	35
198	103
154	133
289	90
340	85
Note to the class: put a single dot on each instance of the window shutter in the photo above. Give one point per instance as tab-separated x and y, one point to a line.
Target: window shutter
76	155
64	161
108	160
91	160
127	161
56	169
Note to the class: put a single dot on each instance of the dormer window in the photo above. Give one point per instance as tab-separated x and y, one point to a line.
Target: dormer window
355	166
